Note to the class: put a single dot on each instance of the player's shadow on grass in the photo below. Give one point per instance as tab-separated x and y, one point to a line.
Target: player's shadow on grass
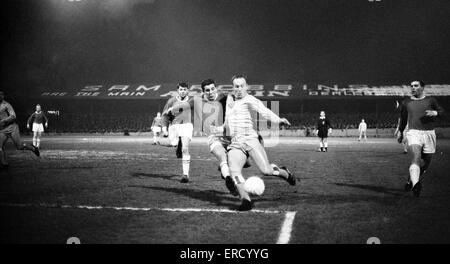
158	176
380	189
218	198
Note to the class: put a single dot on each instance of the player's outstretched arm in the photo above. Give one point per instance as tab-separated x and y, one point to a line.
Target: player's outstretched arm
266	113
284	121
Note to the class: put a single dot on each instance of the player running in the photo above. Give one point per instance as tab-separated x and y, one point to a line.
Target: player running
38	119
244	138
10	129
157	128
178	109
323	129
419	112
209	112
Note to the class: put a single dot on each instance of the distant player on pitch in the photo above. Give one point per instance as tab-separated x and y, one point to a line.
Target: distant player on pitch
419	112
362	130
10	129
39	121
157	128
323	129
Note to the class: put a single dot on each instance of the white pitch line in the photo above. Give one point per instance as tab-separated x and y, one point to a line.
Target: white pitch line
286	229
128	208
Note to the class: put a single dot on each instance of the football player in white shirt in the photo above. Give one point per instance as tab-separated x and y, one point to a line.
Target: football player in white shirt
362	130
156	128
244	138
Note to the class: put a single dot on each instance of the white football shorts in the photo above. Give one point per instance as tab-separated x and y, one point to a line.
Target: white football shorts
157	129
180	130
424	138
245	144
214	141
38	127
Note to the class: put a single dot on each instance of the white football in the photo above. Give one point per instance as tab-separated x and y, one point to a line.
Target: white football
254	185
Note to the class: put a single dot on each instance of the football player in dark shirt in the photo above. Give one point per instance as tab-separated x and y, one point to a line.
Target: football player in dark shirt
10	129
323	129
178	111
419	113
38	119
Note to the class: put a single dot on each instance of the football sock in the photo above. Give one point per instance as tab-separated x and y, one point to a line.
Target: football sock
34	142
242	193
186	163
238	179
325	145
38	143
224	169
414	173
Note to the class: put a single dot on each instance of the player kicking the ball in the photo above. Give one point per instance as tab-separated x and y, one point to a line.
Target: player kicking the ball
10	129
419	112
181	128
209	112
244	138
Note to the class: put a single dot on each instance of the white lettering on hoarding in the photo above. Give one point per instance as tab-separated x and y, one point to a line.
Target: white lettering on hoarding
145	88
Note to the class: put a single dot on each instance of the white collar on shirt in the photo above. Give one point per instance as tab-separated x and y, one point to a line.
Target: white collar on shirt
417	99
182	100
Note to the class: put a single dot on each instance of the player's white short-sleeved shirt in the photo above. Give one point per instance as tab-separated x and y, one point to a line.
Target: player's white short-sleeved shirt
362	127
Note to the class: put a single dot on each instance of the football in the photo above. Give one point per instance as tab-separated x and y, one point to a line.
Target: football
254	185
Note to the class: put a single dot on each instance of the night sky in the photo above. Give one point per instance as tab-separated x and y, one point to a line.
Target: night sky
62	44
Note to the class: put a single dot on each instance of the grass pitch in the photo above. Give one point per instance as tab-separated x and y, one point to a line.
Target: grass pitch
120	189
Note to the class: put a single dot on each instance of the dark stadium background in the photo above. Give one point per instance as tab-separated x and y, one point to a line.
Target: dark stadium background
64	45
